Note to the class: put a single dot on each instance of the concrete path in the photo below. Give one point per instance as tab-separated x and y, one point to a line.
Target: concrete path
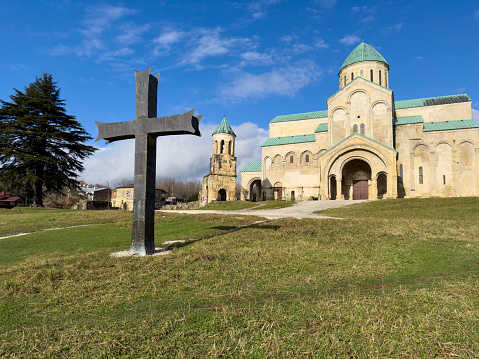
302	209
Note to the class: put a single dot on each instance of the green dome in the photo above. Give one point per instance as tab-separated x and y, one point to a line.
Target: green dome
224	127
363	52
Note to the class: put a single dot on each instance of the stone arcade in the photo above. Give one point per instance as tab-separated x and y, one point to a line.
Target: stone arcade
366	145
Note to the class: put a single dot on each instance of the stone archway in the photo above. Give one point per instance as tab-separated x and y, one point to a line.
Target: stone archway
382	183
278	191
222	195
255	191
333	188
356	176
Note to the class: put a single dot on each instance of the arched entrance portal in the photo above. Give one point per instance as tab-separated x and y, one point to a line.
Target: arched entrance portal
222	195
332	188
278	191
356	176
382	185
255	191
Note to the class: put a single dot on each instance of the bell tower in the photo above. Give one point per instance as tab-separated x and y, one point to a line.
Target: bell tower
220	183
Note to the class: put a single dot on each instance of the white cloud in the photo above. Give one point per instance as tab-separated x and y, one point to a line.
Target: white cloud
368	18
393	28
476	15
286	81
255	58
349	40
324	3
131	33
181	157
475	115
98	19
113	55
164	41
320	44
206	43
418	58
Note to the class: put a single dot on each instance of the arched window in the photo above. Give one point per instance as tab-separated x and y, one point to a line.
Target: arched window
222	146
380	77
345	80
362	129
306	158
372	78
352	76
420	176
291	159
361	73
386	78
355	128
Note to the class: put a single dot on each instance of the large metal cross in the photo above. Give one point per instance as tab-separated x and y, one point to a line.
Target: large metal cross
145	129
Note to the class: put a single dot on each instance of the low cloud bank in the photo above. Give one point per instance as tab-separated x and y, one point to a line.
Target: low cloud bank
181	157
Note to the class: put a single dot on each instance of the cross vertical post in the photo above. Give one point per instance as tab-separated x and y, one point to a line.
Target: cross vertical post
145	129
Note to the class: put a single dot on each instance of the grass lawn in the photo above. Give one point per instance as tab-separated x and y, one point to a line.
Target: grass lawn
396	279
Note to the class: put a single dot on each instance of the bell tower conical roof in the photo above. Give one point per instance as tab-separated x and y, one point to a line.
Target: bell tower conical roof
224	127
363	52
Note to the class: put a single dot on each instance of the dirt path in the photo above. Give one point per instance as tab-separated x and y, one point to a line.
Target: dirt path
302	209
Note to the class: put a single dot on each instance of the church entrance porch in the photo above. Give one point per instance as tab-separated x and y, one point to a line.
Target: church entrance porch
356	180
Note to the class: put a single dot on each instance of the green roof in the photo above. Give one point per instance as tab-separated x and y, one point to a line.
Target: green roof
408	120
323	127
252	167
363	52
431	101
224	127
355	133
300	116
275	141
449	125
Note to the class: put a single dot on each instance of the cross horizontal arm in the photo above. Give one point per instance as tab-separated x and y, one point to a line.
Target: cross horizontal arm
182	124
115	131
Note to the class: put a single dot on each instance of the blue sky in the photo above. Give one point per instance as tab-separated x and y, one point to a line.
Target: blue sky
250	60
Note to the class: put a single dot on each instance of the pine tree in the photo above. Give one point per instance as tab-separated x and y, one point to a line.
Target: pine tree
41	147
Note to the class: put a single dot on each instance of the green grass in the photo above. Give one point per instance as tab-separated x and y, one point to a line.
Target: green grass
230	206
274	205
396	280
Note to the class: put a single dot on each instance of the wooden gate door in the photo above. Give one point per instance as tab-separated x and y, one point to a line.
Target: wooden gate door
360	189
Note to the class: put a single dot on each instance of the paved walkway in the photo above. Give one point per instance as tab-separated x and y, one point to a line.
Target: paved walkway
302	209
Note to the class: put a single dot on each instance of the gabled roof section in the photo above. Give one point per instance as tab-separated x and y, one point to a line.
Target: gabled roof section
224	127
355	133
300	116
431	101
449	125
288	140
363	52
355	79
323	127
407	120
252	167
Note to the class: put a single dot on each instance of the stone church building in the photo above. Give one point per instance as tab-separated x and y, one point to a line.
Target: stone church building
366	145
220	183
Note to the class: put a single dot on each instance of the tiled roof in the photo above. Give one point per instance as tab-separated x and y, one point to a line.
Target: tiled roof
449	125
300	116
224	127
363	52
252	167
275	141
323	127
408	120
431	101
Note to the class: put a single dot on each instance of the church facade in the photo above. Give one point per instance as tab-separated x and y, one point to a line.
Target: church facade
366	145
